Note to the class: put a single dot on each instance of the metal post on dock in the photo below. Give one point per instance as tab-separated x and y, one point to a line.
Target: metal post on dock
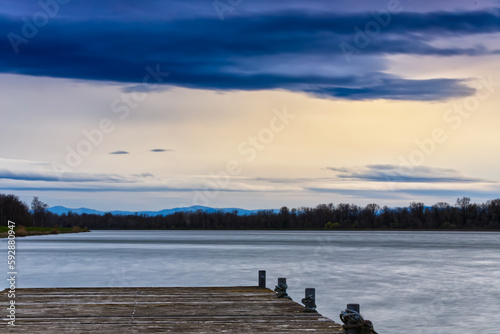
310	300
354	322
280	289
262	278
355	308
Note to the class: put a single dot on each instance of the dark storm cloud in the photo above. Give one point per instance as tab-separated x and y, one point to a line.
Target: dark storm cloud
243	52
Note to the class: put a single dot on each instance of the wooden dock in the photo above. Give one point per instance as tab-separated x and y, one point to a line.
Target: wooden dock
159	310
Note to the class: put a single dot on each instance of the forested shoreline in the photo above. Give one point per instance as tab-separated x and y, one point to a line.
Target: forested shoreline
463	215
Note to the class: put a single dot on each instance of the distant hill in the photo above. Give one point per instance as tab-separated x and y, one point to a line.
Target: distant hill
59	210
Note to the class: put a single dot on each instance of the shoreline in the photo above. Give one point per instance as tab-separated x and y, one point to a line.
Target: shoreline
33	231
315	230
30	231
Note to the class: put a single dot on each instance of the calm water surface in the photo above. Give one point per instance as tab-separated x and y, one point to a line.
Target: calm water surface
406	282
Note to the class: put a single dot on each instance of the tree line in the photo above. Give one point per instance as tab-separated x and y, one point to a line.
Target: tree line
463	215
12	208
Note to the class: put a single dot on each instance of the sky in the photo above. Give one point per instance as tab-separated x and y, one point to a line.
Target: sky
126	105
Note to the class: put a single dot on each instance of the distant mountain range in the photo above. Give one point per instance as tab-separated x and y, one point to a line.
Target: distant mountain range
59	210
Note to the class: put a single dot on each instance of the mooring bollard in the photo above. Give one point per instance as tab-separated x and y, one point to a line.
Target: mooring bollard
354	322
262	278
280	289
310	300
355	308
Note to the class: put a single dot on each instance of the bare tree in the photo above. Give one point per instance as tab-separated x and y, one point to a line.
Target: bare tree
463	203
39	212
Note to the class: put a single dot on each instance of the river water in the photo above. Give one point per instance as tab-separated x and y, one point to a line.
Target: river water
406	282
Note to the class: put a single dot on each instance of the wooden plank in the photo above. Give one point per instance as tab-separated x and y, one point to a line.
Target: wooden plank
160	310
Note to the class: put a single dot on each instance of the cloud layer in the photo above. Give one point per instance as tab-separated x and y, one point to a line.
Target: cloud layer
395	173
370	183
290	50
